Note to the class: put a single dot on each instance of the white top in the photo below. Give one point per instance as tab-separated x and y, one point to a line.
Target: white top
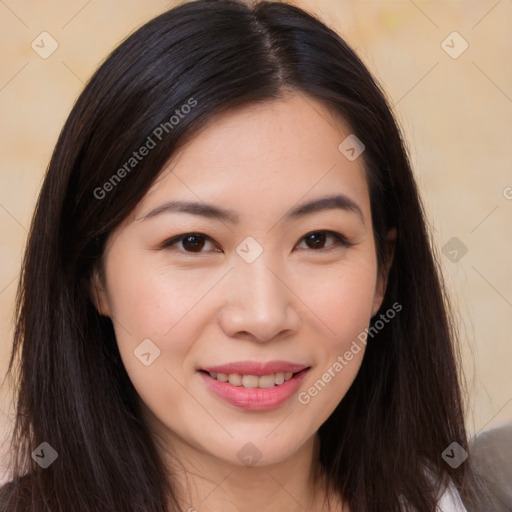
450	501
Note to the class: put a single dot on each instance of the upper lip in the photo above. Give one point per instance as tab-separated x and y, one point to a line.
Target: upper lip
256	368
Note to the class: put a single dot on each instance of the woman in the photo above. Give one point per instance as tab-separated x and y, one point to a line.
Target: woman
229	300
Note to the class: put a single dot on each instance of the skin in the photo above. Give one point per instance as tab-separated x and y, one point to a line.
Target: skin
294	302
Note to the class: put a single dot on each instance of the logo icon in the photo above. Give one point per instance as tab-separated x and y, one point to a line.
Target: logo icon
454	249
351	147
146	352
249	455
44	45
454	455
249	250
454	45
44	455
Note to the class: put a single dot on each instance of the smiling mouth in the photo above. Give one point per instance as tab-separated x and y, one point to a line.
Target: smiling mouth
254	381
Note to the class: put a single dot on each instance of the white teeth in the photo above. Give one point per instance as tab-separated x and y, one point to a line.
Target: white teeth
267	381
253	381
250	381
235	379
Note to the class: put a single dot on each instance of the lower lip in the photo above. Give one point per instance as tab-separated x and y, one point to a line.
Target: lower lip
255	399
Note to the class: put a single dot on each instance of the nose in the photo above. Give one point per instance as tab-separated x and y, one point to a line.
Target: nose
261	304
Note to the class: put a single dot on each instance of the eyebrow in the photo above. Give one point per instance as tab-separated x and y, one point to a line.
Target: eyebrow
338	201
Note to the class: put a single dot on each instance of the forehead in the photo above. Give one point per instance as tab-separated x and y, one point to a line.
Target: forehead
261	157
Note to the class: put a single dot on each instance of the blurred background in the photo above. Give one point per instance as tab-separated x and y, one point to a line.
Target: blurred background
446	68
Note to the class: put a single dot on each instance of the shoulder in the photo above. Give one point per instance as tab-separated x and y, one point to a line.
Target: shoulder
492	460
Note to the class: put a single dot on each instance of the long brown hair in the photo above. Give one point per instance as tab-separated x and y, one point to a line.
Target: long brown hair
383	444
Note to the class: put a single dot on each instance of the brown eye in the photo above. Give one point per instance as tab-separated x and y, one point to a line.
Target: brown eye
193	243
316	240
190	242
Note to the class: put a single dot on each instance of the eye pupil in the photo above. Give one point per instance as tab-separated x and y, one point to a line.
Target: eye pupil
318	239
196	242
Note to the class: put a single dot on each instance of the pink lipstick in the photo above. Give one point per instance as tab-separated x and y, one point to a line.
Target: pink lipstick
254	386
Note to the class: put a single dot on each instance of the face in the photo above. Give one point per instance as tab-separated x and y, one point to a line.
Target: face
250	284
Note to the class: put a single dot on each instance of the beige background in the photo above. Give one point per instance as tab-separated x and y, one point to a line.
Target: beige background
456	114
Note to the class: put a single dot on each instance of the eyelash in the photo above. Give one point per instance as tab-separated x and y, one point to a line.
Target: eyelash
340	241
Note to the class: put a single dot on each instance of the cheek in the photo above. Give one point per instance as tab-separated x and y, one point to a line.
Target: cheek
341	299
344	305
150	317
139	302
149	299
170	307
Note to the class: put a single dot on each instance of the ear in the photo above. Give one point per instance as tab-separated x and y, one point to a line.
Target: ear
98	292
383	272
